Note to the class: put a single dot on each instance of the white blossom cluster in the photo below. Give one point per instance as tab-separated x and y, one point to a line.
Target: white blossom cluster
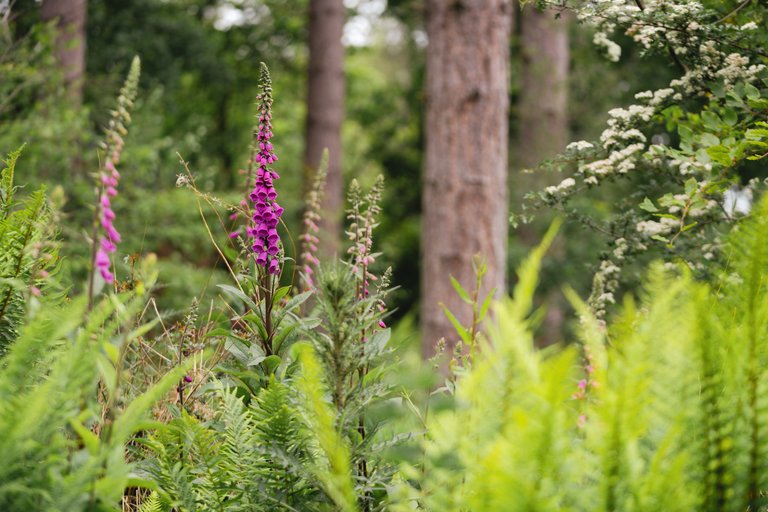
612	50
580	145
700	48
663	226
665	24
564	185
656	98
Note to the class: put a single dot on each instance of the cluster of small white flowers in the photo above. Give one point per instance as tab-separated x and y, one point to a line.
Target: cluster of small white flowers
564	185
663	226
580	145
621	162
612	50
656	24
710	250
604	284
607	298
684	28
663	24
646	35
609	269
736	67
620	125
621	248
608	12
661	95
685	167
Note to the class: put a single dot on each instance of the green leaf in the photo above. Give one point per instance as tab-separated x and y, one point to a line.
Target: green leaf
718	88
460	290
460	329
528	274
486	305
685	132
751	92
730	117
709	139
379	339
218	331
107	372
90	440
281	335
648	206
142	329
280	293
255	319
720	155
297	300
689	226
691	186
272	362
711	120
237	292
756	134
6	182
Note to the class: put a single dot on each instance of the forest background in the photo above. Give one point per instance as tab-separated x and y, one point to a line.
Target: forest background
196	100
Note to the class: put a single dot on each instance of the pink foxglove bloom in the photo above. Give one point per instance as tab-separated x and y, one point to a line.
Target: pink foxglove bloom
309	239
266	216
110	237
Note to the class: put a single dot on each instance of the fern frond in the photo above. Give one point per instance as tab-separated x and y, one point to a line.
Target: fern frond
333	469
151	504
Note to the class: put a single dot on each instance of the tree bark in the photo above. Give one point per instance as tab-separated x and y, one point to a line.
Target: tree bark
544	91
543	128
70	16
466	162
325	113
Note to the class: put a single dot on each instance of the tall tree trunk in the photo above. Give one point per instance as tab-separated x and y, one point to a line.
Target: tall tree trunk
325	112
543	128
465	185
70	16
544	92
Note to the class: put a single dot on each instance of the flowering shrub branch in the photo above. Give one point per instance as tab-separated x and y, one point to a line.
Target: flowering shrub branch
688	138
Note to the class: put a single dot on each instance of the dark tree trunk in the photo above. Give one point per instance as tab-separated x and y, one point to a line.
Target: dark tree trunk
70	16
325	112
465	186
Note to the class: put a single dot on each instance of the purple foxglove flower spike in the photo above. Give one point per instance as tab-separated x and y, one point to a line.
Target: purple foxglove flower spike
109	176
266	216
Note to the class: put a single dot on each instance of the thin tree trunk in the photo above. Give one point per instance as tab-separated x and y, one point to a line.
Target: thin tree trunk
465	186
543	128
325	112
71	16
